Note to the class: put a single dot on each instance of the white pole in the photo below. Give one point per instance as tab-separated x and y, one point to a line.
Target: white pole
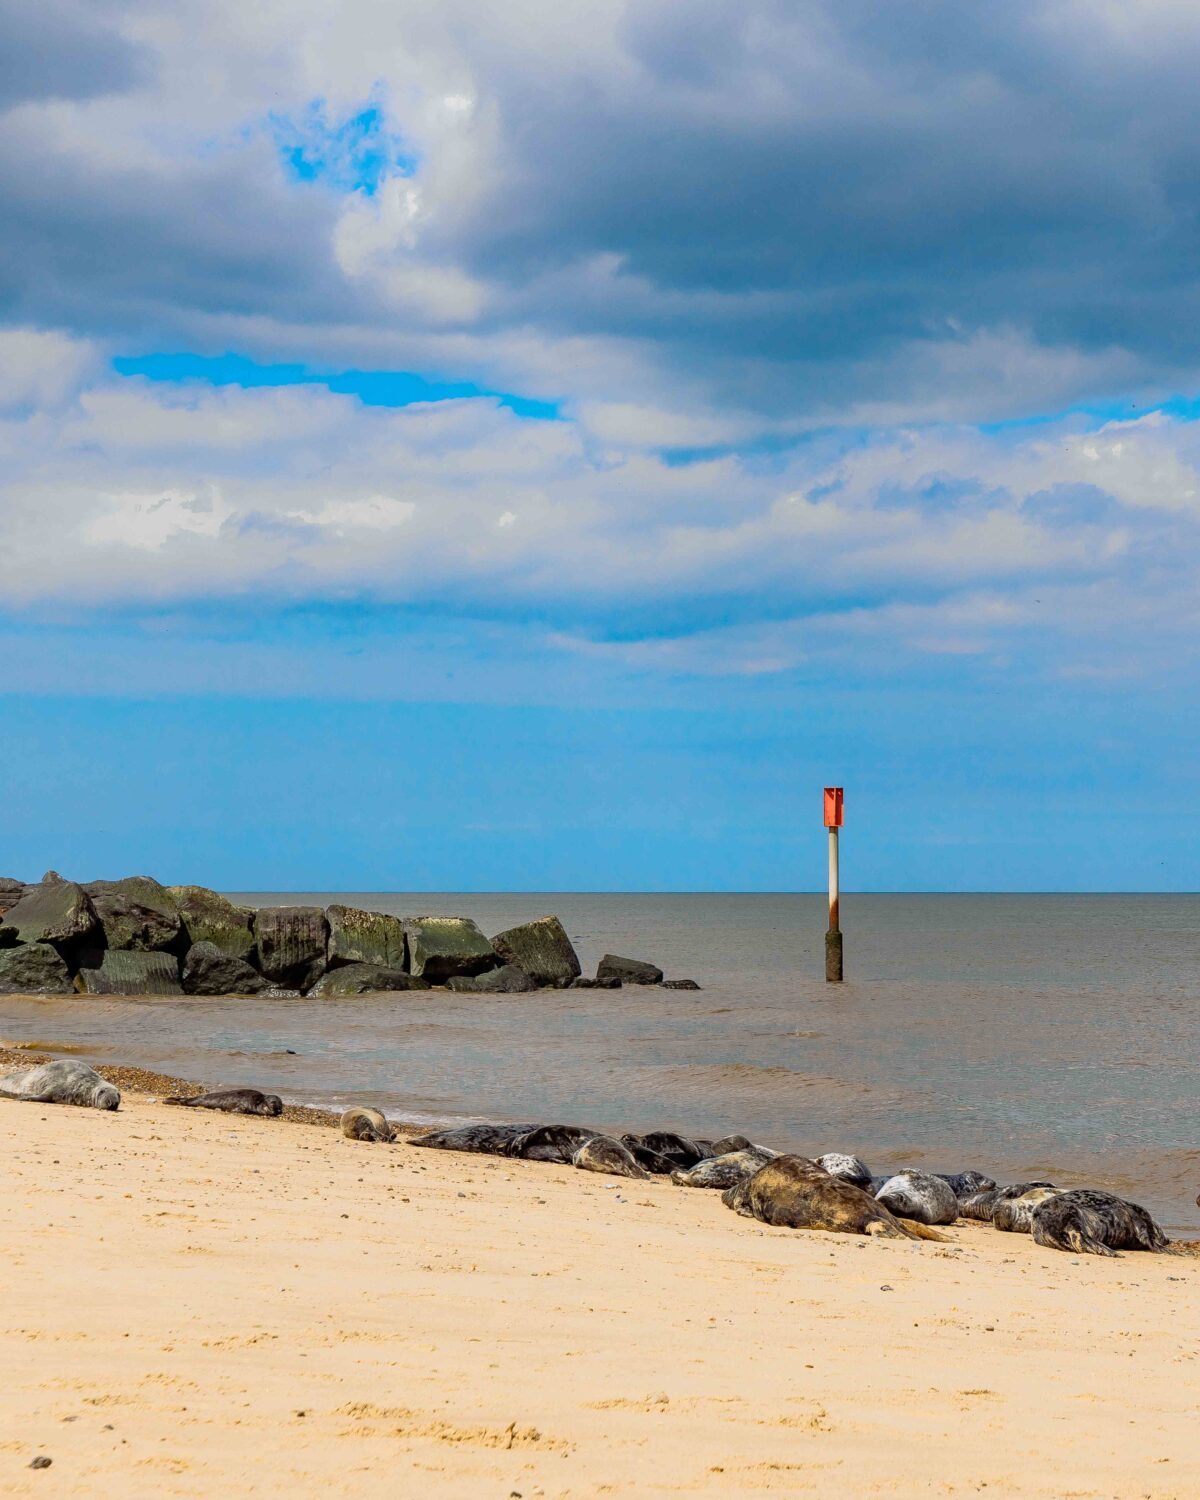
833	938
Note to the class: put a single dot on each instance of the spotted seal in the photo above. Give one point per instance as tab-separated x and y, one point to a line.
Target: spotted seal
982	1205
964	1184
1090	1222
849	1168
917	1195
63	1081
551	1143
794	1192
232	1102
725	1170
361	1123
601	1153
1013	1215
482	1138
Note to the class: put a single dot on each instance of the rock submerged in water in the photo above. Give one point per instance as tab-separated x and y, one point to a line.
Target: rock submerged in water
443	948
209	971
291	943
542	948
364	979
680	984
506	980
209	917
124	972
33	969
628	970
58	913
365	937
135	913
584	983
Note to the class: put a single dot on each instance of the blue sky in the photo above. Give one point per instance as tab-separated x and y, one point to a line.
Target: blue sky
452	453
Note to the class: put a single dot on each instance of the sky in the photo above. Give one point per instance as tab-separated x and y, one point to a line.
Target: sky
538	447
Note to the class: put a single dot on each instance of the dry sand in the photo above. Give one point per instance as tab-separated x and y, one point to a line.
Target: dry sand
200	1305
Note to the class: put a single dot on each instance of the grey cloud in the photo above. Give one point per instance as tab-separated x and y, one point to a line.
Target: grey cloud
56	49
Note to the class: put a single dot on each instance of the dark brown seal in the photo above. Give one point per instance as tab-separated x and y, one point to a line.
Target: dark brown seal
551	1143
795	1193
233	1102
679	1150
482	1138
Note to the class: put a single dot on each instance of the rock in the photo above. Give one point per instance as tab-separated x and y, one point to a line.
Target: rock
11	892
52	877
365	979
365	937
135	913
680	984
59	913
507	980
628	970
208	971
542	949
125	972
584	983
441	947
209	917
290	939
33	969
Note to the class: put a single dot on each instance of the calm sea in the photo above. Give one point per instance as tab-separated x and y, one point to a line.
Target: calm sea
1022	1035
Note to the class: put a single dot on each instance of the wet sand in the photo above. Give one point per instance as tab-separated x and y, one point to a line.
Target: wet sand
204	1305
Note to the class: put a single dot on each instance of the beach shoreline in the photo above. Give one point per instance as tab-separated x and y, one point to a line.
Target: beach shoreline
202	1302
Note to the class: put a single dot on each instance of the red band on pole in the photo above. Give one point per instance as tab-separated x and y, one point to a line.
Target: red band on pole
834	809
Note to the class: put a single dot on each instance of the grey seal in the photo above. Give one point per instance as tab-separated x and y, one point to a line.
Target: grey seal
482	1138
551	1143
794	1192
64	1081
849	1168
232	1102
1014	1215
361	1123
601	1153
725	1170
917	1195
963	1184
1090	1222
982	1205
679	1150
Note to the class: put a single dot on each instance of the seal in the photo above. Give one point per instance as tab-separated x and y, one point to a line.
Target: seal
677	1149
1013	1215
601	1153
917	1195
963	1184
794	1192
849	1168
551	1143
1090	1222
982	1205
482	1138
64	1081
232	1102
730	1143
725	1170
364	1124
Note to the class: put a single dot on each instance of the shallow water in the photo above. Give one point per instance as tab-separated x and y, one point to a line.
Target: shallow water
1023	1035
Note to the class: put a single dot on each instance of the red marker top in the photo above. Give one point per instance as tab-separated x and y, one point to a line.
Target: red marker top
834	808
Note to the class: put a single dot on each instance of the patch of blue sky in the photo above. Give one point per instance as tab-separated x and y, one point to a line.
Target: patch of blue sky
353	155
372	387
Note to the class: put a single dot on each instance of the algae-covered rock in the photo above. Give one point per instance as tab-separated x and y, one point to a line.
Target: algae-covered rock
441	947
58	913
135	913
123	971
33	969
291	940
628	970
365	979
365	937
542	949
506	980
208	971
209	917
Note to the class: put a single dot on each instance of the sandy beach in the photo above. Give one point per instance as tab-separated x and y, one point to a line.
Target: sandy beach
201	1304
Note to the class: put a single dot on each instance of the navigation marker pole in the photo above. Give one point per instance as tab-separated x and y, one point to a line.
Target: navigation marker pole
834	817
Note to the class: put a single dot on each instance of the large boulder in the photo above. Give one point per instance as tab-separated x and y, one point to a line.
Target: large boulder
291	943
628	970
441	947
542	949
122	971
365	979
59	912
33	969
506	980
135	913
365	937
11	892
209	917
208	971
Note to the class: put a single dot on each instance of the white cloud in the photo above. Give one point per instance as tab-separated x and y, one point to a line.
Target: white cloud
40	369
